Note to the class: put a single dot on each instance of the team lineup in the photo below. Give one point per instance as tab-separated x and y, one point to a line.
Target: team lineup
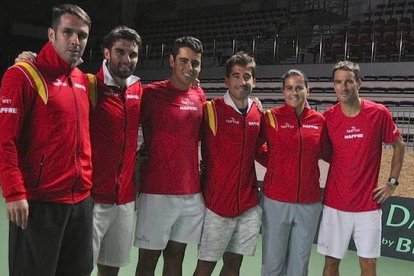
80	192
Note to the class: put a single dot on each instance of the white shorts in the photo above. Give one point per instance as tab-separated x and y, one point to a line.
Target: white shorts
168	217
222	234
113	232
337	228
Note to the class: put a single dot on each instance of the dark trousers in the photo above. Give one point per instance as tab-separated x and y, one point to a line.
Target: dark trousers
57	240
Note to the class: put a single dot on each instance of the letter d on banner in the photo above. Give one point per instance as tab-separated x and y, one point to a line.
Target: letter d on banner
405	217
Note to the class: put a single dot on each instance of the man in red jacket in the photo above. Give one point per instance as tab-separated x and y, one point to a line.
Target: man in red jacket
229	144
170	206
114	135
45	154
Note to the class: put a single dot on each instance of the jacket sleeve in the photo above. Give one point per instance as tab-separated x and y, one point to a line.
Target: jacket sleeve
326	146
16	99
262	155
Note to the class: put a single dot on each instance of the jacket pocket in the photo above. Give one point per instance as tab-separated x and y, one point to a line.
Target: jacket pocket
40	171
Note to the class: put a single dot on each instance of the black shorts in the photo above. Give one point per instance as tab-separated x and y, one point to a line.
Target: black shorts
57	240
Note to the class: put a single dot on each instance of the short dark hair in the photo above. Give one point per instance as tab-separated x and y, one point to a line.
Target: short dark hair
187	41
294	72
58	11
121	32
241	59
347	66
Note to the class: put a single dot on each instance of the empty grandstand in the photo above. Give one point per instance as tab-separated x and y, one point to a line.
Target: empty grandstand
308	34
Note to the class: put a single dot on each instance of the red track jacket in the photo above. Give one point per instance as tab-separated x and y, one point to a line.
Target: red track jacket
294	148
45	151
114	134
229	147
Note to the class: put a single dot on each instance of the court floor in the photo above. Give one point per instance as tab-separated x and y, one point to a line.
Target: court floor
250	267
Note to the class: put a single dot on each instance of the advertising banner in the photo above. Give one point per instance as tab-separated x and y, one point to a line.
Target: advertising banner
398	228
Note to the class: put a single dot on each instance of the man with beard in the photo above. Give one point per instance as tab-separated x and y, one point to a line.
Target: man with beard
229	144
45	154
170	206
114	134
114	126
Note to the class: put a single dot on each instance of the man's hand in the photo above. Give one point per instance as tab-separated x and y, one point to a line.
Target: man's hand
196	83
381	193
258	103
18	212
26	56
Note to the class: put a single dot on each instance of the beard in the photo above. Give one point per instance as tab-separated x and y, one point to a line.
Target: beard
122	72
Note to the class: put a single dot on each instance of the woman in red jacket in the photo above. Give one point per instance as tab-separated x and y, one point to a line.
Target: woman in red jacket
291	202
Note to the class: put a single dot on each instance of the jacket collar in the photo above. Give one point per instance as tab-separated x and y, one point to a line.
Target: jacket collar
109	80
290	110
50	60
229	101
